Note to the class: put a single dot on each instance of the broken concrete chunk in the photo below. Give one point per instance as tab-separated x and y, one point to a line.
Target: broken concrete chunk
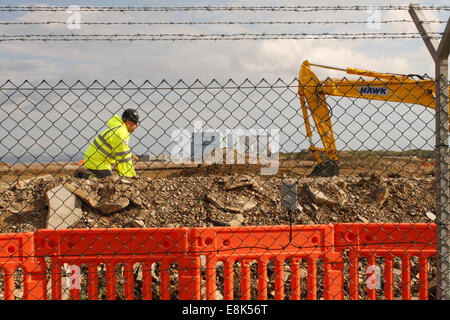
363	219
64	208
45	178
260	189
113	205
82	194
430	215
220	205
138	201
18	207
135	223
240	204
106	205
219	295
20	185
314	206
23	184
318	197
238	185
3	187
342	184
140	223
249	205
381	196
236	220
264	209
245	204
137	271
126	181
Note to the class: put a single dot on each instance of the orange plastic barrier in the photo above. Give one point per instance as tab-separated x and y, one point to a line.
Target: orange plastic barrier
111	247
388	241
18	251
197	251
245	244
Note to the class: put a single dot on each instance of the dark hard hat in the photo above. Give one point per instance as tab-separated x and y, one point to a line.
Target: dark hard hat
130	114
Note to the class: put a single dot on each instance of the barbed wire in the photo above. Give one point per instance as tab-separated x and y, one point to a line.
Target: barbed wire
212	36
213	22
220	8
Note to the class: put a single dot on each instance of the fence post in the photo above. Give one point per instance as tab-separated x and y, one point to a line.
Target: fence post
439	51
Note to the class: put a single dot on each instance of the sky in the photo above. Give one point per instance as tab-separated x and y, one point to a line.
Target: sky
193	60
206	60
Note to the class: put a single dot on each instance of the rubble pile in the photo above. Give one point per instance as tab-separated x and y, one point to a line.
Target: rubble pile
214	200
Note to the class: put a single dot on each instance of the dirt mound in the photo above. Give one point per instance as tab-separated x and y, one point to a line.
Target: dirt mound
220	170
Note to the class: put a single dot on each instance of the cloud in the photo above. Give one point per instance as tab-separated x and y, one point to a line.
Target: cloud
20	66
285	57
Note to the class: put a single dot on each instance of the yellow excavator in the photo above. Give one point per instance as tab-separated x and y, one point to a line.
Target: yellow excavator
413	89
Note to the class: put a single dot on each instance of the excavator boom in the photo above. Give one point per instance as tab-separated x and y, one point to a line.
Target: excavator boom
379	86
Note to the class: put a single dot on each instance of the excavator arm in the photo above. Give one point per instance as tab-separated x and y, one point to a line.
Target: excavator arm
382	86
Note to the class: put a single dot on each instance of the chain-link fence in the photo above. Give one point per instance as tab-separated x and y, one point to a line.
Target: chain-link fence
299	189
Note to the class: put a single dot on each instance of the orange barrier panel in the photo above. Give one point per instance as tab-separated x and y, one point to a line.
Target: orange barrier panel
18	251
263	244
110	247
388	240
197	251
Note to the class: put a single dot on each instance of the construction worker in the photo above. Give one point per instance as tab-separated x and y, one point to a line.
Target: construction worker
111	146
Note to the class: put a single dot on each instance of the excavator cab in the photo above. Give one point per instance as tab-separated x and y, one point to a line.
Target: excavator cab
376	86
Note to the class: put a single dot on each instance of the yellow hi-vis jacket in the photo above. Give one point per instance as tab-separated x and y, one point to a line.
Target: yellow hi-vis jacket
109	147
